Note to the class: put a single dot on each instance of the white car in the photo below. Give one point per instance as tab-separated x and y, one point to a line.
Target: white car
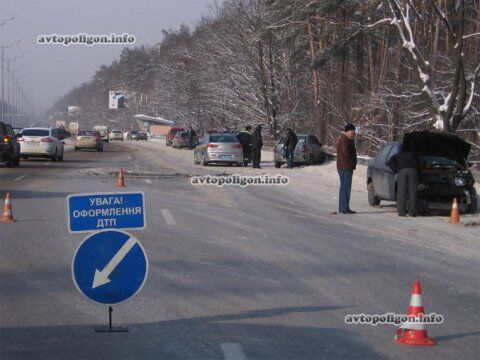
41	142
116	135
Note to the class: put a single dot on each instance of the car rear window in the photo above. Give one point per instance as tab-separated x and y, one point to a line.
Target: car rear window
88	133
35	132
222	139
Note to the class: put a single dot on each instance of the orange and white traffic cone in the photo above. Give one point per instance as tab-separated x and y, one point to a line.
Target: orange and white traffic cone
410	332
454	214
121	182
7	214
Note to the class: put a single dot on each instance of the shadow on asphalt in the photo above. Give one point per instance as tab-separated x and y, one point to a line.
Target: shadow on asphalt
190	338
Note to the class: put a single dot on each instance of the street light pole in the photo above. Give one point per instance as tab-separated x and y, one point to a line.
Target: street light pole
3	87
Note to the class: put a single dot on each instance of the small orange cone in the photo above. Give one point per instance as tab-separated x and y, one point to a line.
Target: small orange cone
121	182
454	215
7	214
414	333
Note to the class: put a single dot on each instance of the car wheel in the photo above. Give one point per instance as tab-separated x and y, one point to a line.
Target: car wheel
76	149
16	161
60	158
278	165
204	163
195	159
472	208
9	161
311	160
373	200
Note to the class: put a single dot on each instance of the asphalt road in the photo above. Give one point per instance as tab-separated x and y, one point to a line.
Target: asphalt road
235	273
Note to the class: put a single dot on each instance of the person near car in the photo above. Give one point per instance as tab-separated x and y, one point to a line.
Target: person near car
405	165
257	144
191	136
245	138
290	145
346	164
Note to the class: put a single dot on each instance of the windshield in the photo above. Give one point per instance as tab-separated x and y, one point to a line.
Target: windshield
35	132
88	133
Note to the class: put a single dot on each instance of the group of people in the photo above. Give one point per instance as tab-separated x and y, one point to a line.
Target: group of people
252	144
405	164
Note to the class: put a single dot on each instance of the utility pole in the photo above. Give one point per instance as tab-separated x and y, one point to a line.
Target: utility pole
3	87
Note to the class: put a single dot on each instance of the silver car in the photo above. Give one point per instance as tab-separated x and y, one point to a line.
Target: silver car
308	151
116	135
41	142
218	148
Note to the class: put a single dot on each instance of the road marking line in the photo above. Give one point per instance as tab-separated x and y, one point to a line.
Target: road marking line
168	217
21	177
148	181
47	163
232	351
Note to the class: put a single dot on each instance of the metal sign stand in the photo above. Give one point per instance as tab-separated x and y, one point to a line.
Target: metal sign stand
109	327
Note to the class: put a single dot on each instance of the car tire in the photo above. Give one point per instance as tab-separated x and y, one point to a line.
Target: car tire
373	200
204	163
76	149
278	165
9	162
60	158
195	159
311	160
16	161
473	207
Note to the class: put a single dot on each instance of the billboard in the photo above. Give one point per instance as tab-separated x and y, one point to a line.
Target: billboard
74	110
120	99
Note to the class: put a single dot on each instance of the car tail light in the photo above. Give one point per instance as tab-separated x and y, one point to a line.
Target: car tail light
21	139
6	139
48	139
212	145
79	138
304	148
96	138
237	146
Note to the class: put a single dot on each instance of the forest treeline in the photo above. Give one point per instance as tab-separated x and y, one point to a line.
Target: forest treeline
389	66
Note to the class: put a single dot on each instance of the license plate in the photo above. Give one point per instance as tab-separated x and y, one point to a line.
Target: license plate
225	156
32	143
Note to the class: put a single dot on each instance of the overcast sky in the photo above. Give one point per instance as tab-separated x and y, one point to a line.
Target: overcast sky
51	70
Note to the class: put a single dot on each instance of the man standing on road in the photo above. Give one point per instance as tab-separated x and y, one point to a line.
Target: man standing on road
346	164
290	144
245	138
257	144
406	165
191	136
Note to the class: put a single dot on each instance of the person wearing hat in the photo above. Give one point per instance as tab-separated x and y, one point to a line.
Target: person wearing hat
245	138
257	144
346	164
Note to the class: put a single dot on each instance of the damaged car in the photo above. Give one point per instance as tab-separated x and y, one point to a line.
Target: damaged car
444	172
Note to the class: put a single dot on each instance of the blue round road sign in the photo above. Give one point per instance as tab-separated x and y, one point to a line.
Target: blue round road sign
109	267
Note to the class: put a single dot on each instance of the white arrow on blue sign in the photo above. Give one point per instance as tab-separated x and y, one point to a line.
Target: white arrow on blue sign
101	211
109	267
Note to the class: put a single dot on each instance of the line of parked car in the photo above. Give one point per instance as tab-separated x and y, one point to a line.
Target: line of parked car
224	147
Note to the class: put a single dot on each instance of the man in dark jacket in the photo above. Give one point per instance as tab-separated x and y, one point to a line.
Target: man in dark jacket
245	138
405	165
257	145
290	144
190	137
346	163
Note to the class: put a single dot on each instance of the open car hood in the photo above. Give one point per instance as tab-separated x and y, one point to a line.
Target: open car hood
431	143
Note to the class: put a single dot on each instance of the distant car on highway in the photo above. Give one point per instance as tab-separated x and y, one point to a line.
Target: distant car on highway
87	139
116	135
218	148
9	145
171	134
140	135
181	140
444	172
308	151
41	142
103	130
